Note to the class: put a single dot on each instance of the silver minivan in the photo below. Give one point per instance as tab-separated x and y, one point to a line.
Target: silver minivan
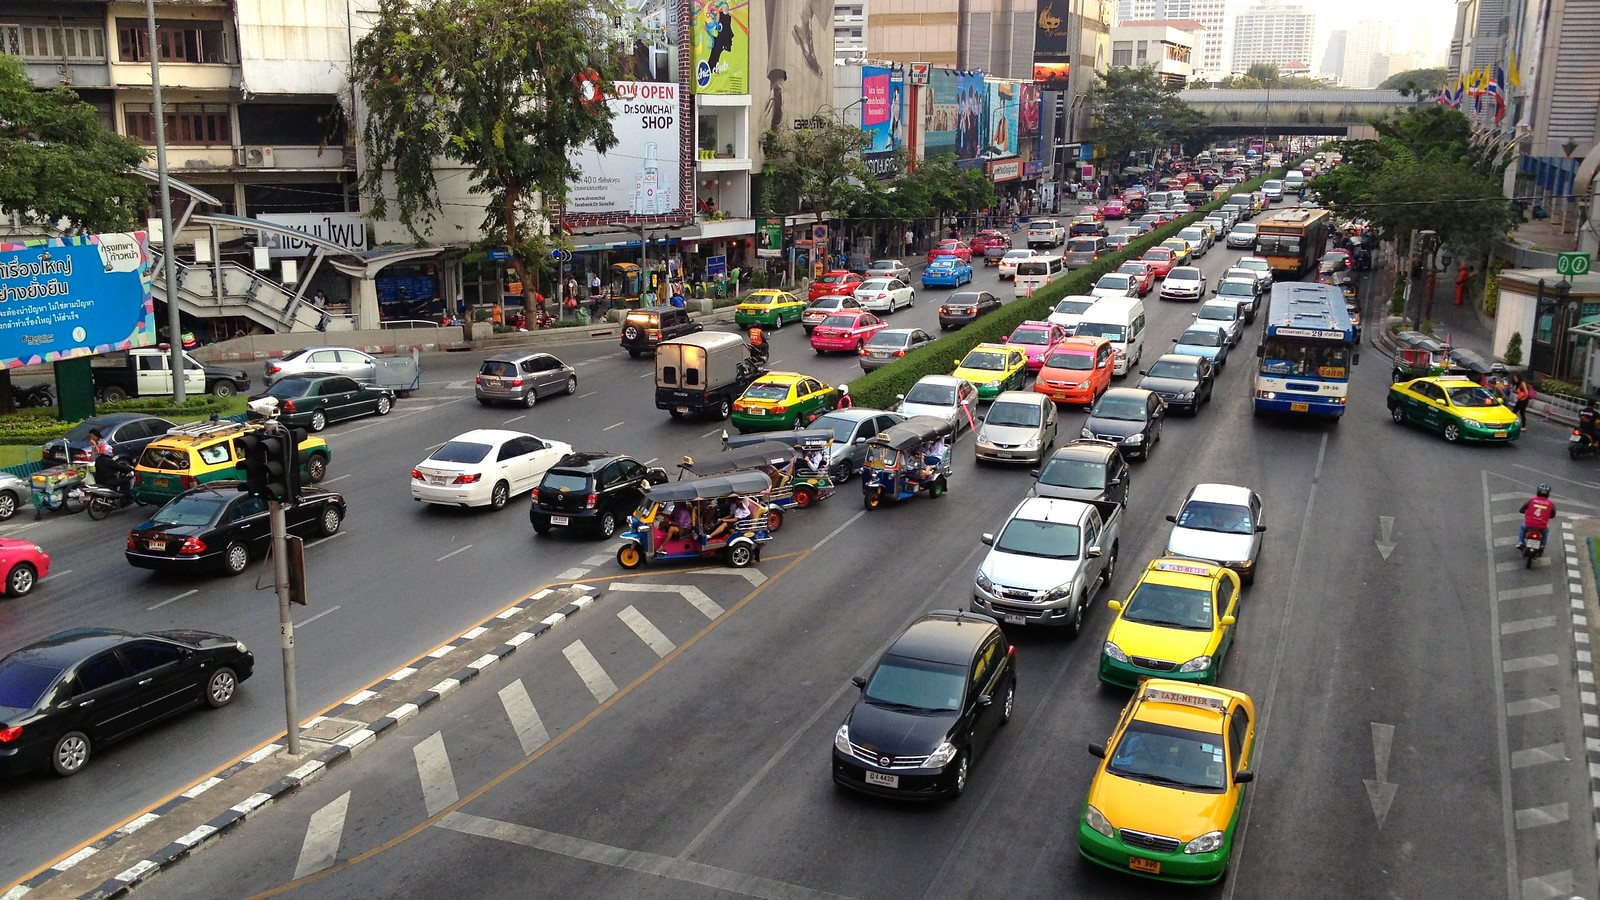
1083	250
522	377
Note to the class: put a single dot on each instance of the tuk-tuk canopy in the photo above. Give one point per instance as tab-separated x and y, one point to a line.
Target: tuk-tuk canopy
912	433
792	440
764	452
810	438
711	487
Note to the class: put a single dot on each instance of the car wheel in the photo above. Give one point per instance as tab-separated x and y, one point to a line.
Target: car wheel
912	300
500	495
328	523
740	555
605	524
960	786
235	557
724	409
1009	703
319	420
1452	432
316	467
872	499
1398	414
846	470
385	405
114	395
8	505
633	353
819	350
21	579
70	753
223	389
572	384
221	687
777	322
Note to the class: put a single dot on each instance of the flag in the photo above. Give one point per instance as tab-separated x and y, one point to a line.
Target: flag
1444	97
1516	79
1499	106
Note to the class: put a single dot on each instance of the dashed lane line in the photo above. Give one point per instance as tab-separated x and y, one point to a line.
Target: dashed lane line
328	611
189	593
524	718
462	549
647	632
433	770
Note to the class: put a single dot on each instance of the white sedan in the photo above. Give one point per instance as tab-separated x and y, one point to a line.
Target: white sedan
486	467
884	295
1008	263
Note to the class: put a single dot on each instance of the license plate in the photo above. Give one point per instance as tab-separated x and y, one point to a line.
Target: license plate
559	520
1499	434
683	410
1016	620
757	411
162	482
882	780
1534	543
156	546
1144	865
1299	407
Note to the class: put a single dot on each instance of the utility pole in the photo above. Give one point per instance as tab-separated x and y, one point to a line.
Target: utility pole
169	241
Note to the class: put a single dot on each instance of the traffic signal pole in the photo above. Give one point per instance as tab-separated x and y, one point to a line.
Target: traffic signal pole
280	581
270	459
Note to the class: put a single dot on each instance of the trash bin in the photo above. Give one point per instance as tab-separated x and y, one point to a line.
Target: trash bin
722	289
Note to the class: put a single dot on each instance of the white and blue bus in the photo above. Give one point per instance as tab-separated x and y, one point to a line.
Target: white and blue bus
1308	345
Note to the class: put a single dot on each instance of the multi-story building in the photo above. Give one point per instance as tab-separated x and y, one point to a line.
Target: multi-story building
992	36
1272	32
1167	45
1209	59
850	29
1333	54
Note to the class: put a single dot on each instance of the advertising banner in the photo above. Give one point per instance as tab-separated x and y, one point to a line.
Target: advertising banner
1001	131
654	56
66	297
970	96
769	237
640	175
1005	170
875	118
348	230
1051	76
1029	111
719	34
1051	40
940	112
897	111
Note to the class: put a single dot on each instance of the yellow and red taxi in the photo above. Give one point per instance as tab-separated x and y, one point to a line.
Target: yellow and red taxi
1160	260
846	332
951	247
1077	370
838	281
1176	623
1165	800
779	401
1036	339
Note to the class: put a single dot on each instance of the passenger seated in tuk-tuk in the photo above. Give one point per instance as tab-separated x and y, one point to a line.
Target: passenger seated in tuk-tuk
734	509
814	459
680	524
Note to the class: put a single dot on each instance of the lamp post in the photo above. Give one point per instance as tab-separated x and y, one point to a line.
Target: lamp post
1564	305
169	240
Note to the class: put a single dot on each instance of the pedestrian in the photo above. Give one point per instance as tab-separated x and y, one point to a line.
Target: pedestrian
1521	392
497	314
320	302
1463	275
911	239
594	285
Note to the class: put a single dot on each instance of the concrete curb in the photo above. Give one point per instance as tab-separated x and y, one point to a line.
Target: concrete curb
459	660
1582	575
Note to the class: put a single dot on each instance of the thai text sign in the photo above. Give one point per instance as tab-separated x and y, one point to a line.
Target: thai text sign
74	296
348	230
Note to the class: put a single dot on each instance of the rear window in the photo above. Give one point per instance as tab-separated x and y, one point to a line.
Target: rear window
191	509
559	479
23	683
1081	246
499	369
460	452
164	459
1033	268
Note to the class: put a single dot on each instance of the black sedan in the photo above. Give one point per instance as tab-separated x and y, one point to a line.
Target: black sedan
312	401
127	433
66	696
963	307
1182	381
1128	417
217	528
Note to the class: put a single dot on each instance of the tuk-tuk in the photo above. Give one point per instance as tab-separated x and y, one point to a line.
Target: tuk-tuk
898	466
708	532
802	479
1346	282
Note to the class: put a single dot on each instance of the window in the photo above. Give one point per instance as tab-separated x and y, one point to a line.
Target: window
984	665
151	362
247	507
214	454
1238	728
145	656
98	672
186	123
55	42
196	41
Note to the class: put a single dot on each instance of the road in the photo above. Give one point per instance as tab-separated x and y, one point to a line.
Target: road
668	748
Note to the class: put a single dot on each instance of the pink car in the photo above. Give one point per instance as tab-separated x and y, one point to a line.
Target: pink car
24	565
1037	339
846	332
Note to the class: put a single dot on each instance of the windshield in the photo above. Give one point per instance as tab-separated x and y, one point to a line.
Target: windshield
289	387
1018	254
1472	396
1158	255
1183	274
883	265
1223	518
1047	540
1178	757
932	394
460	452
916	685
987	360
195	509
23	683
1081	362
835	279
1279	244
1019	415
1098	329
1171	368
1127	409
1119	282
767	392
1170	606
1304	359
1074	473
1207	337
1219	313
1073	307
1193	235
1038	337
840	321
1273	185
841	427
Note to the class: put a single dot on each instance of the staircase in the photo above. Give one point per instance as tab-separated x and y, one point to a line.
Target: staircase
241	292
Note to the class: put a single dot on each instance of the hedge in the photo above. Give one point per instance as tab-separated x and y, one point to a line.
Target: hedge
880	388
35	426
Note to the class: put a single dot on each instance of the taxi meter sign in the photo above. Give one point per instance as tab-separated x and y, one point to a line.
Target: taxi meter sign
1183	568
1572	264
1199	701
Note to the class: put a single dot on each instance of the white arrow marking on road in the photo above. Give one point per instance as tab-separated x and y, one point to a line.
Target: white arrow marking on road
524	718
588	668
1380	791
320	849
1386	526
433	770
751	575
694	595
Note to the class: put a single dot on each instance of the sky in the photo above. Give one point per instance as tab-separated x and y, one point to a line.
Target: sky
1424	25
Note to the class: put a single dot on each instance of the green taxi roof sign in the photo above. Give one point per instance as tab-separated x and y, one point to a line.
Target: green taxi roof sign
1572	264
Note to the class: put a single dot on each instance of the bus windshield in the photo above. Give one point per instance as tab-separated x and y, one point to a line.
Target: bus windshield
1278	244
1305	359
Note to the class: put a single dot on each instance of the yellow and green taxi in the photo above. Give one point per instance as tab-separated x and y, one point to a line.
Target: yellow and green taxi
1179	246
1177	623
993	368
772	309
1458	408
191	455
1166	796
779	401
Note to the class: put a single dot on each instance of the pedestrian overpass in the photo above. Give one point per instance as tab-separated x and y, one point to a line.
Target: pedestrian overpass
1296	111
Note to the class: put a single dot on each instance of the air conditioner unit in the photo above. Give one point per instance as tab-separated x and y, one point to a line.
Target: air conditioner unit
257	158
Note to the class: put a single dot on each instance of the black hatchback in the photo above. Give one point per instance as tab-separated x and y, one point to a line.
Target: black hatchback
933	702
64	697
592	491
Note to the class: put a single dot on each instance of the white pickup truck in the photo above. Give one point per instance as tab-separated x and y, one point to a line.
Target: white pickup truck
1046	233
1048	562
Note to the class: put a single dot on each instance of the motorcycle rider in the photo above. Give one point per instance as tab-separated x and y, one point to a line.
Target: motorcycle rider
1586	424
1537	511
110	472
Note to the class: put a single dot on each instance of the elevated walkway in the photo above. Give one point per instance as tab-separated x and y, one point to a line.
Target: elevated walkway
1296	110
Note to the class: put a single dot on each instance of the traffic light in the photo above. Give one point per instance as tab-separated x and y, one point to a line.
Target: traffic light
249	448
270	465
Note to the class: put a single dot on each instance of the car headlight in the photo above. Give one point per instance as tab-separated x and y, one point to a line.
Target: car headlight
239	646
992	385
1032	441
1198	664
1134	439
1205	843
1060	592
841	739
1115	652
941	755
1097	820
1086	433
1471	423
1186	395
983	581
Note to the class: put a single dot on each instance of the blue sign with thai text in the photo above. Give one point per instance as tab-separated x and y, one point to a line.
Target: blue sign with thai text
716	265
67	297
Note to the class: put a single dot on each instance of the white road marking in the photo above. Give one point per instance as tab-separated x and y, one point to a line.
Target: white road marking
55	575
339	478
433	770
1533	705
590	394
1538	756
319	615
189	593
647	374
751	575
1548	887
1522	625
1537	590
588	669
462	549
617	425
1541	815
572	574
598	558
713	432
696	597
513	419
323	540
1544	660
650	634
320	848
524	718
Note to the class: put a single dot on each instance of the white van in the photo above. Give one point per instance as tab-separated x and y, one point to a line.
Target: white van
1033	274
1121	321
1293	181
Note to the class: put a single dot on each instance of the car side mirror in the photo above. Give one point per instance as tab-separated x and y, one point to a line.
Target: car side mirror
860	441
1096	552
1098	751
859	681
985	699
1115	482
1033	473
899	396
1260	528
1243	776
987	538
1261	351
1114	605
1229	620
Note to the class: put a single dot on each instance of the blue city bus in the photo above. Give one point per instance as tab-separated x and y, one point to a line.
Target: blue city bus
1308	345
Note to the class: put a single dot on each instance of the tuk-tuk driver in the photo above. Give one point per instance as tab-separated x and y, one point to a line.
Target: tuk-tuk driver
814	459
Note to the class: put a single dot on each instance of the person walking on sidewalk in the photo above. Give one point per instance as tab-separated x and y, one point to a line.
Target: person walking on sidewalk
911	240
1521	393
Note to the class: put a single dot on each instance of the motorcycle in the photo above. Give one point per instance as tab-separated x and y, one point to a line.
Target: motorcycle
1532	547
1580	445
36	395
103	500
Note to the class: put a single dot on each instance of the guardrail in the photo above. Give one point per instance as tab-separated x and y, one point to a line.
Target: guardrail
408	323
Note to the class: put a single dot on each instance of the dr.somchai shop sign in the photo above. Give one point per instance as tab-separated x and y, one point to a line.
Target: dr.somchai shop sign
74	296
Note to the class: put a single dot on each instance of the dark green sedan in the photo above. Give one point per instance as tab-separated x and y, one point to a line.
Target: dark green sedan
312	401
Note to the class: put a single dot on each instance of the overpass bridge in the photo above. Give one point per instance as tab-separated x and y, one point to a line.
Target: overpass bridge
1297	111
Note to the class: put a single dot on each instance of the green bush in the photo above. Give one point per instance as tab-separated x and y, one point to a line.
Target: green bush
1514	349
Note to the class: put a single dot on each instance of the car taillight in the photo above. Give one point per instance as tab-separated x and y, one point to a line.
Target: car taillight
81	455
470	478
187	482
591	501
10	733
899	353
288	406
192	545
972	310
416	474
133	543
780	410
478	380
274	368
516	382
862	352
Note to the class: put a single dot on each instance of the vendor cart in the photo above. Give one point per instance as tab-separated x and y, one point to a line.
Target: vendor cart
59	487
401	374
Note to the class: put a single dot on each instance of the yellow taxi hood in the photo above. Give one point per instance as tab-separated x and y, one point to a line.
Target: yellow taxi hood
1157	809
1495	416
1177	645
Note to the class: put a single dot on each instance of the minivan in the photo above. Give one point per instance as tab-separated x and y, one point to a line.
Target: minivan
1121	321
1273	188
522	377
1033	274
1083	251
1293	181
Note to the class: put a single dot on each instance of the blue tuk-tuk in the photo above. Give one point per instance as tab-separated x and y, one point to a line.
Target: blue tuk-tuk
898	466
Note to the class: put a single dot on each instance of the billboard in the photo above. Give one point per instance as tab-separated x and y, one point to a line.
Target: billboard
654	54
1000	131
1029	111
719	34
971	95
897	110
875	117
348	230
1051	76
1051	40
939	113
640	176
66	297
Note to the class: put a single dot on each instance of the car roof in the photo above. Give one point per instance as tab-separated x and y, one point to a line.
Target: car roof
1126	393
510	356
1084	448
1161	702
1179	357
941	379
333	347
116	418
852	414
1213	492
1031	398
1049	509
489	435
586	460
947	636
780	378
67	648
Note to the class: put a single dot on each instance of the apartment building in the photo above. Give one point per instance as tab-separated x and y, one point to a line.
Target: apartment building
1167	45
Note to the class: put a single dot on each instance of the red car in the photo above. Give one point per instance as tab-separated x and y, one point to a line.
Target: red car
1160	260
1136	203
983	240
838	281
846	332
1144	275
1036	340
951	247
1099	215
24	564
1115	209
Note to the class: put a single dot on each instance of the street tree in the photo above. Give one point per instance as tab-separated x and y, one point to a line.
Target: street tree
816	168
1416	82
1133	110
59	167
1265	73
508	89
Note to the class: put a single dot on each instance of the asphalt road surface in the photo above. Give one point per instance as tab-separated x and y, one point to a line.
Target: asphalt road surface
677	748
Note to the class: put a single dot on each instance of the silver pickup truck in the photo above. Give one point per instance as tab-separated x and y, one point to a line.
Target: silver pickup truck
1049	560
